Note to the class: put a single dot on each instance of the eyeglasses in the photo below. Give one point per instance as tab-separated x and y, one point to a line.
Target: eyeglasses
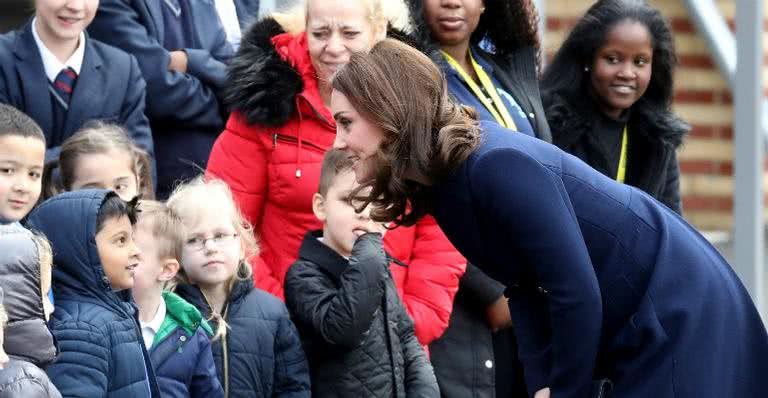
219	239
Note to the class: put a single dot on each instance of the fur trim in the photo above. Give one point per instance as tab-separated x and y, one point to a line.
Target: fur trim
262	86
569	121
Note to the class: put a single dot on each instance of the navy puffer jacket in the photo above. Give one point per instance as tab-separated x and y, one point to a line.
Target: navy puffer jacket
102	353
261	355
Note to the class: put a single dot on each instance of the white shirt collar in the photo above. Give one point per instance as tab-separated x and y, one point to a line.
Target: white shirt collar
52	64
228	16
150	329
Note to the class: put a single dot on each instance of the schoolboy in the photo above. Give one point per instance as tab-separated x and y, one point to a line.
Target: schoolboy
356	333
62	78
174	331
102	353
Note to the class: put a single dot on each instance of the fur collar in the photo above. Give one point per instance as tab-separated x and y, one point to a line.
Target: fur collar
263	86
569	119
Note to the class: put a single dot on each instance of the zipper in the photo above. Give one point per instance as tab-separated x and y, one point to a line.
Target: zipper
225	357
315	111
293	140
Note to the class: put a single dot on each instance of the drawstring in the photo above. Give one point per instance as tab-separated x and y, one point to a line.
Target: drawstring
298	139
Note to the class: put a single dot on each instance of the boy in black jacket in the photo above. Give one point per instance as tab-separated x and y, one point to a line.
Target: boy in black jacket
356	332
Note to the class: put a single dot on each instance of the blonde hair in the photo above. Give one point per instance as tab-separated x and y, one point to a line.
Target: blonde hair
380	12
45	258
186	201
3	317
97	137
166	228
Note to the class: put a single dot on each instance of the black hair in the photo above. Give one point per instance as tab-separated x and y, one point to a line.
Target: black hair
507	25
114	207
566	77
16	122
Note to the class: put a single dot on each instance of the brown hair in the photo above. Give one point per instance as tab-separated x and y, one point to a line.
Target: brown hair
165	226
426	135
97	137
185	201
334	163
16	122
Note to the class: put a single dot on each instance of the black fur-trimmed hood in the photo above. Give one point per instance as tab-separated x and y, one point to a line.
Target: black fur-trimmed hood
263	86
569	119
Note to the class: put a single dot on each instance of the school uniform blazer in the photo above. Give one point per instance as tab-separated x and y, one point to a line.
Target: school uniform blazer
247	12
184	108
605	280
109	87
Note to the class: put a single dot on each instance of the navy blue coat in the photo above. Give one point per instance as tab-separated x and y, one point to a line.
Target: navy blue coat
607	281
110	87
184	108
247	12
262	351
102	353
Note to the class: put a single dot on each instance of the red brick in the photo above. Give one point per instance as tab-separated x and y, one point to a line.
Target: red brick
703	131
697	166
703	61
711	203
682	25
695	96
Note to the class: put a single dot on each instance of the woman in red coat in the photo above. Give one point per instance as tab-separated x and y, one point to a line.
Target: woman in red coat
272	148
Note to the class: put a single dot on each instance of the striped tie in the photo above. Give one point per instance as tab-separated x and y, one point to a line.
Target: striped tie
64	83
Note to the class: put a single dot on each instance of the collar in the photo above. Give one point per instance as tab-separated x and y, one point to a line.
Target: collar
317	252
157	321
52	64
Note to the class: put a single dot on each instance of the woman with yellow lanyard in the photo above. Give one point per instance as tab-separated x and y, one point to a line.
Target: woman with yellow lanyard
607	96
489	53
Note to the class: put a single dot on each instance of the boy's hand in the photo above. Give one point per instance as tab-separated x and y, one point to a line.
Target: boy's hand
497	314
543	393
178	62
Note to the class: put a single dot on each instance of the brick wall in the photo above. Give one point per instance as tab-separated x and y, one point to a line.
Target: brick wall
702	98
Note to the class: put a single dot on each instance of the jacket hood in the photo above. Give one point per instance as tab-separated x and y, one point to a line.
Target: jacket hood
273	67
184	314
570	118
69	222
26	335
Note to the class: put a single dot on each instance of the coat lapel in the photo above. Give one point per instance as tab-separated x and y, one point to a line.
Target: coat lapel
37	100
156	13
90	86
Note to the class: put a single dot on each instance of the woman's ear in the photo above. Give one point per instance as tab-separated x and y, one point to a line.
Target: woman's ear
318	206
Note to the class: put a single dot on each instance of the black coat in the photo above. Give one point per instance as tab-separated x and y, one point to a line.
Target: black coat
356	332
261	352
653	139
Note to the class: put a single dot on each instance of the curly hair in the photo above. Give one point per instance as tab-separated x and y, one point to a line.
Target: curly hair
565	76
426	134
506	25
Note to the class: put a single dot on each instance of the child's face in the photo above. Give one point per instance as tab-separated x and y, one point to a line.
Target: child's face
148	271
64	20
118	253
621	69
341	224
212	248
21	169
111	170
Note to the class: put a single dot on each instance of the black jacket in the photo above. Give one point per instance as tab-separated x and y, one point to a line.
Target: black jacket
261	355
653	139
356	332
27	339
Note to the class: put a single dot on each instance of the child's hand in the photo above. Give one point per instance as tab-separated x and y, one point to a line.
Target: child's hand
178	61
497	314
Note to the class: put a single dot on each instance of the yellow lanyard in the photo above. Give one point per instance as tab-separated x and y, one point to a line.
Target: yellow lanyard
623	159
494	105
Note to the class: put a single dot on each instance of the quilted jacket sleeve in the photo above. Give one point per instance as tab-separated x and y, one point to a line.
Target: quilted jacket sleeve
291	366
340	315
420	378
82	367
242	163
434	271
205	380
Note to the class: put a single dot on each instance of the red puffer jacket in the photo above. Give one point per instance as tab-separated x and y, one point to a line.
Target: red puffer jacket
270	155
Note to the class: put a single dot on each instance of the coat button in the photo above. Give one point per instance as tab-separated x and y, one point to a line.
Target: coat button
183	338
489	364
531	115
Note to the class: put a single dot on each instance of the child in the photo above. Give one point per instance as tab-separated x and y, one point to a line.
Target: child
358	336
182	50
95	323
62	78
100	155
256	347
176	335
608	95
26	337
22	156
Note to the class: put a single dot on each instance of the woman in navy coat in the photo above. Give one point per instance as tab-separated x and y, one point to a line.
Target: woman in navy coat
608	282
